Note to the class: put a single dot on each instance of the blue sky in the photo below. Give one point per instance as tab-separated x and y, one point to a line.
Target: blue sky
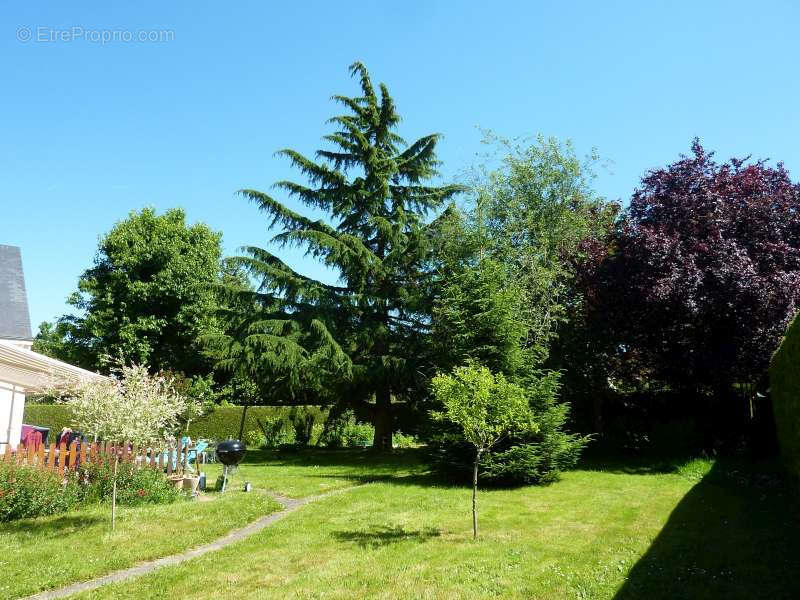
91	130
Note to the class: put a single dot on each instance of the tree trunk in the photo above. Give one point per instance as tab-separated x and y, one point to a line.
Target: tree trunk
114	491
241	423
475	495
383	420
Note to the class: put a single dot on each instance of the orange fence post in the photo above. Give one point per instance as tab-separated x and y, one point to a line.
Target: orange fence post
73	455
62	458
51	457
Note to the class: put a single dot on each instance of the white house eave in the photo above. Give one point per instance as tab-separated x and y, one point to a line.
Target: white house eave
33	371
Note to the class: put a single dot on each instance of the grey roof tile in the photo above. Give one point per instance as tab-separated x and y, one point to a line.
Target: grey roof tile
15	320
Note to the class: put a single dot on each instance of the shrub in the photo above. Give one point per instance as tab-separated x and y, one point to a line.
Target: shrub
32	492
316	434
303	424
532	458
255	439
401	440
533	463
27	492
134	486
286	438
358	434
344	431
784	380
274	431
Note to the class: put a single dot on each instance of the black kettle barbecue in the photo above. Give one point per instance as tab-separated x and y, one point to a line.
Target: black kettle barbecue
230	453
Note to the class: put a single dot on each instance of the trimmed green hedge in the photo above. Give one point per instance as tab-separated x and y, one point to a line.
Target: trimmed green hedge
784	381
54	416
219	424
224	421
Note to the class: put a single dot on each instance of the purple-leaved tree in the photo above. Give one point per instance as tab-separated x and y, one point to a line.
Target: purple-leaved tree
701	275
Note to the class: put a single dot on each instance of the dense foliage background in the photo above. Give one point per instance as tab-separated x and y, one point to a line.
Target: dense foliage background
642	325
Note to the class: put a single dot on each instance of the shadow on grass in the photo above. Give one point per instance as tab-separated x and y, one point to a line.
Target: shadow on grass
383	536
736	534
639	464
345	457
53	525
431	479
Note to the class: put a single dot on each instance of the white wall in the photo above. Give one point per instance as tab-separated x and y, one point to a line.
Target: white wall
21	343
12	405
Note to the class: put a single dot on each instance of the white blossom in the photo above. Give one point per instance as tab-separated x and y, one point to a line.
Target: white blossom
133	407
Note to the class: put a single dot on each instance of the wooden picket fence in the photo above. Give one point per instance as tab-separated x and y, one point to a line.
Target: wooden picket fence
62	458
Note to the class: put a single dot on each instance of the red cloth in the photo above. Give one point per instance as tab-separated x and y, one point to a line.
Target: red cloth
30	438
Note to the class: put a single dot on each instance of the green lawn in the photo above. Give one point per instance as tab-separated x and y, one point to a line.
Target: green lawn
692	529
38	554
312	472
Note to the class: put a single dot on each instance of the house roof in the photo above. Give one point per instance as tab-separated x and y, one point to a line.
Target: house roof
15	320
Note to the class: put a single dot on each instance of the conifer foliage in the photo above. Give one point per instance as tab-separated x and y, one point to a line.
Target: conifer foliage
374	191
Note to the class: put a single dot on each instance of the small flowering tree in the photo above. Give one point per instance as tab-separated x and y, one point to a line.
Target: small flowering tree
487	407
132	407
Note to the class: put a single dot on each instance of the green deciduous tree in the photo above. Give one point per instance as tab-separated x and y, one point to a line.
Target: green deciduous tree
487	408
54	339
147	297
374	194
531	213
502	279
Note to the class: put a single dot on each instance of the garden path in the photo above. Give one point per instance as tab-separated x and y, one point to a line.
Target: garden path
289	505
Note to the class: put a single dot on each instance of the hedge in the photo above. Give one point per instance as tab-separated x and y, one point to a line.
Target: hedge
219	424
784	381
224	421
54	416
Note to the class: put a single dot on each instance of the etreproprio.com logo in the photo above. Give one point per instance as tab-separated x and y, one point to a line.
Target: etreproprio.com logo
45	34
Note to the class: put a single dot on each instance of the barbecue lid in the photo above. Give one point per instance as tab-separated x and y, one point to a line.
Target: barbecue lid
231	452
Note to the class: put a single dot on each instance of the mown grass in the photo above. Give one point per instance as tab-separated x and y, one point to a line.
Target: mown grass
624	529
44	553
48	552
685	530
298	474
412	539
